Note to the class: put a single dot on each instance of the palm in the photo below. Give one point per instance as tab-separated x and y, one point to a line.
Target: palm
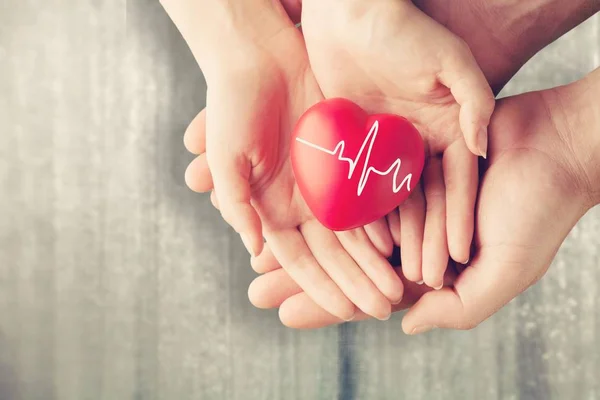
528	182
274	113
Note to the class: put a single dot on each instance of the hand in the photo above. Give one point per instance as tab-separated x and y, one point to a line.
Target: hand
542	164
388	56
242	142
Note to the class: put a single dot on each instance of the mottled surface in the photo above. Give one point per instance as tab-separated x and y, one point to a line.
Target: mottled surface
117	282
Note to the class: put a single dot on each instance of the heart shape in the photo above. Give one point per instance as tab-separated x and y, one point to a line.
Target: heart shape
353	168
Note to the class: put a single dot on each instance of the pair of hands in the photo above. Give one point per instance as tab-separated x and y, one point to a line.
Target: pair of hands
248	161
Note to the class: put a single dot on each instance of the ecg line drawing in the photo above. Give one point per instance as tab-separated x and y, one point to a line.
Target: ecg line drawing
367	170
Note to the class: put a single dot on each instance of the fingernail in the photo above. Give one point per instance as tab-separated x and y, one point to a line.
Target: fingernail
246	241
351	318
385	318
482	142
422	329
439	287
397	302
420	282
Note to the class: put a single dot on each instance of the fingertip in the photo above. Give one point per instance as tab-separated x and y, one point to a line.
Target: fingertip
380	236
251	232
214	200
300	312
197	175
255	293
194	138
272	289
265	261
482	141
396	292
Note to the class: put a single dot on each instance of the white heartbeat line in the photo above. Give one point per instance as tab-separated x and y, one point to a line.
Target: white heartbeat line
364	177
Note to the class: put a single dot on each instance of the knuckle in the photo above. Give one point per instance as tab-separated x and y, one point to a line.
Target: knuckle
298	263
487	104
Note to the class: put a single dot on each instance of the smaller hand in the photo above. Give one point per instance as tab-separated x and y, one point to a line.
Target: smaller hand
389	57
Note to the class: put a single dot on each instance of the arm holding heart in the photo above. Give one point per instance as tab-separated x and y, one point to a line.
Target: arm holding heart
259	83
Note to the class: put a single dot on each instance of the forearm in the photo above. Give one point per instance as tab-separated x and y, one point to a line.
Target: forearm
224	32
531	25
509	32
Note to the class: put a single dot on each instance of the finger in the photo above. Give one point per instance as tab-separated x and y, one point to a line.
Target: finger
265	261
344	271
231	181
412	219
197	175
300	312
435	242
373	263
461	181
294	255
214	200
393	220
480	291
194	138
462	75
379	234
272	289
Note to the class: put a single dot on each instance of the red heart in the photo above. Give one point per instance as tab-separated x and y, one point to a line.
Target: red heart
353	168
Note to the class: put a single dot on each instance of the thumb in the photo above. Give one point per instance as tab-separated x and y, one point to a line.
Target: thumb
482	289
230	175
231	168
462	75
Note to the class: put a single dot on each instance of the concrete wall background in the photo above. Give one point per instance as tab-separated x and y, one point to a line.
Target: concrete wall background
117	282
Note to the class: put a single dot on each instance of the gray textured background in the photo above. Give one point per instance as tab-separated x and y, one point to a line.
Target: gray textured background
117	282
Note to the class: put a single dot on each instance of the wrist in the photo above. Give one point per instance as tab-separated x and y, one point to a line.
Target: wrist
226	34
515	30
577	115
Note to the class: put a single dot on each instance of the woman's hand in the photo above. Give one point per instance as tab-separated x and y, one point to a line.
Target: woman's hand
242	139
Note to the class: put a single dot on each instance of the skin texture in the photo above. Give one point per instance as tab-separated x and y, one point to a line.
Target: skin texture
252	107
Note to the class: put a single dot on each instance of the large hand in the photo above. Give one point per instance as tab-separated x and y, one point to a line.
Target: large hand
536	188
538	185
244	136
